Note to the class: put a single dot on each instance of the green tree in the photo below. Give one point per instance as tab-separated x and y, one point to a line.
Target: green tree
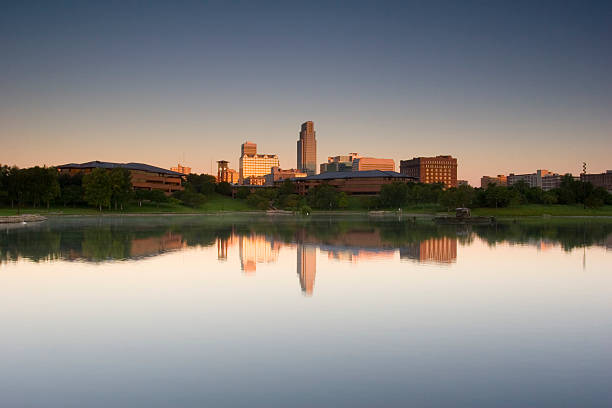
243	192
201	183
98	188
71	189
224	188
190	198
324	197
121	185
394	195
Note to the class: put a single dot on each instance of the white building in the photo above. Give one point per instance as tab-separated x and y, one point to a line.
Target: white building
543	179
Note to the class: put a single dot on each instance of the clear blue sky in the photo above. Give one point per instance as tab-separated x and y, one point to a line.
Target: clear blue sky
503	86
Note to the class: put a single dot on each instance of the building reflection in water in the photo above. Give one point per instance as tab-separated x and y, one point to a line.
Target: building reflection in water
254	249
258	248
307	267
436	250
356	255
142	247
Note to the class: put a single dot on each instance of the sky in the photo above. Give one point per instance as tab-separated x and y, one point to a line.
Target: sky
503	86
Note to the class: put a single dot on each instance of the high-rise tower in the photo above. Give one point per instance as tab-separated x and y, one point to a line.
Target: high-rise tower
307	149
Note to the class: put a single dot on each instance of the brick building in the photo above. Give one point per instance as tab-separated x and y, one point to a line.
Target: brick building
439	169
144	176
352	183
599	180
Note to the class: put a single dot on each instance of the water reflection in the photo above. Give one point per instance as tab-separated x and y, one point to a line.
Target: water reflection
437	250
259	240
137	311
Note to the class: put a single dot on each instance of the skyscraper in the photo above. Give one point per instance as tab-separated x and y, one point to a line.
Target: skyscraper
249	148
307	149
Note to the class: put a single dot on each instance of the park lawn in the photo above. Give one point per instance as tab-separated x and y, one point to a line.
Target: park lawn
218	202
214	203
540	210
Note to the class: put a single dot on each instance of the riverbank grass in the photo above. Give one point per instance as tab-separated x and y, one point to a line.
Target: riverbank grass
543	210
214	203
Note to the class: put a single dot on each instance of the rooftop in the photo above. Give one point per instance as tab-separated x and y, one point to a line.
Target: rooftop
130	166
356	174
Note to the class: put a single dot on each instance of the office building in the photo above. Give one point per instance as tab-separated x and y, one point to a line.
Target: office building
339	163
253	164
599	180
352	183
372	163
143	176
439	169
307	149
248	148
543	179
278	175
462	183
181	169
500	180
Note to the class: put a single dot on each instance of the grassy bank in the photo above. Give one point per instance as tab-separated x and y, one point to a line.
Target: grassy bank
215	202
540	210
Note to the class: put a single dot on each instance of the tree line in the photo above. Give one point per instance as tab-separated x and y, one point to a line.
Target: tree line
45	186
570	192
101	188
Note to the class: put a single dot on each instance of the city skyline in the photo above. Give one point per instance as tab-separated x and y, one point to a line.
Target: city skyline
526	84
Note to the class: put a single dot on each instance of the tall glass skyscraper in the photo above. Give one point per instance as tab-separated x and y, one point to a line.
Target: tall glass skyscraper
307	149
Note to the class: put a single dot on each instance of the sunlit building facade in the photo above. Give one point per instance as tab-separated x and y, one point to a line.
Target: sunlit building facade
253	164
307	149
181	169
430	170
278	175
500	180
373	163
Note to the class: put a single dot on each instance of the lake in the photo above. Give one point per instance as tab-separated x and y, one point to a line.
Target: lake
277	311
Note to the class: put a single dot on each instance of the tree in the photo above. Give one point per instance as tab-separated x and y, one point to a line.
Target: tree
71	189
243	192
394	195
98	188
50	188
224	188
201	183
324	197
190	198
262	198
121	185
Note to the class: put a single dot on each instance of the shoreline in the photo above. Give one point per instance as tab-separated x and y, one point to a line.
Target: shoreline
30	217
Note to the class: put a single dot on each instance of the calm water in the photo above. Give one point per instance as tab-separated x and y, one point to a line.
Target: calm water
275	311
